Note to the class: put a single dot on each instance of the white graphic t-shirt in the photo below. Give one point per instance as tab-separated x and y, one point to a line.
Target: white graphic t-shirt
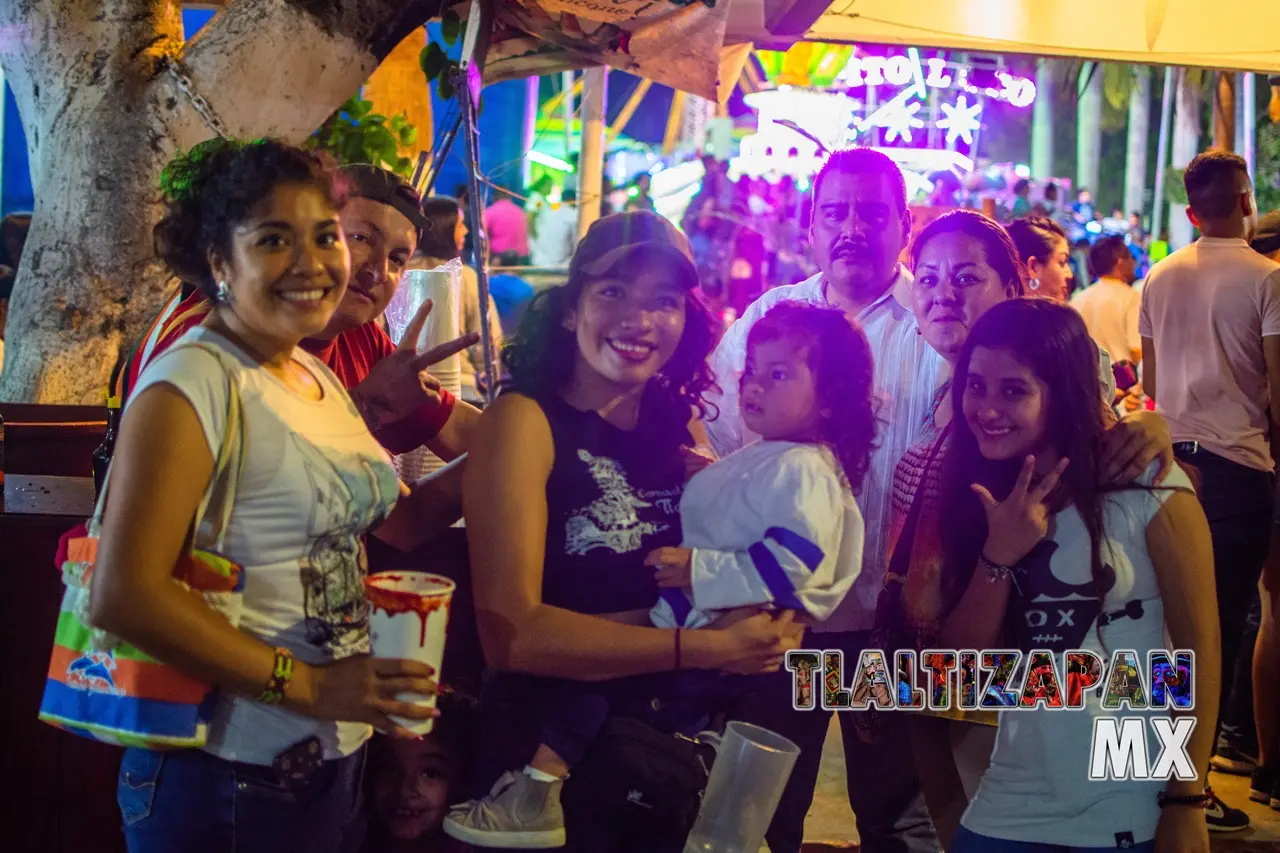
1037	788
314	481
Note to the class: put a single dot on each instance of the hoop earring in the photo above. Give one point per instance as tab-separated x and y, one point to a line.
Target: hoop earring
1034	284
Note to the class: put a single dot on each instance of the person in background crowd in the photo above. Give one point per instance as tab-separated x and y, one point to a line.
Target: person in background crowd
1043	249
256	226
557	233
1264	785
443	237
1021	202
409	784
1025	534
463	195
860	225
1110	305
575	478
510	293
7	276
1210	327
642	200
506	228
402	404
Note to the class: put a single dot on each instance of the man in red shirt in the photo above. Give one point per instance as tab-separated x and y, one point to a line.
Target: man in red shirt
403	405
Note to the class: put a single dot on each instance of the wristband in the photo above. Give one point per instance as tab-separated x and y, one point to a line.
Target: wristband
281	675
996	571
1200	801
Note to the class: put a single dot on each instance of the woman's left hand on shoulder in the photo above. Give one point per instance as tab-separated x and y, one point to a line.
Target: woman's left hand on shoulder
1133	444
695	459
1182	829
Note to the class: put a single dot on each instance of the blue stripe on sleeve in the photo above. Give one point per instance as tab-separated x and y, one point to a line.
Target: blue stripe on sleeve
810	554
679	602
780	586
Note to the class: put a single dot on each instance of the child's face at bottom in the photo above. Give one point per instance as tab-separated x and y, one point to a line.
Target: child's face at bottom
409	783
779	399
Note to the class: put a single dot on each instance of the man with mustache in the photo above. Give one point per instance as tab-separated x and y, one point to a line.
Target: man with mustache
860	227
402	404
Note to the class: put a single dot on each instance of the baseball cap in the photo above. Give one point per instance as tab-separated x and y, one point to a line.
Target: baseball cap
1267	238
378	184
612	240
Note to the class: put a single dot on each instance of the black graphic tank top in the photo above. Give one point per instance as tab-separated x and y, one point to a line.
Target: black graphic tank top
612	497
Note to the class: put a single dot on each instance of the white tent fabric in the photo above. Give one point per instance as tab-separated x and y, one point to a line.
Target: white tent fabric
1235	35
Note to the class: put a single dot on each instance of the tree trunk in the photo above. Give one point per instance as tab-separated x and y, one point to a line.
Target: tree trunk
1186	144
1224	112
1042	122
102	117
1089	128
1135	164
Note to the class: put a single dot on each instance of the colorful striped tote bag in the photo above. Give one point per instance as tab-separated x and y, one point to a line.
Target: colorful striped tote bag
103	688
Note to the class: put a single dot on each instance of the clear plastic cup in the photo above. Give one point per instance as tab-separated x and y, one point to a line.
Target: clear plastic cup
408	620
751	770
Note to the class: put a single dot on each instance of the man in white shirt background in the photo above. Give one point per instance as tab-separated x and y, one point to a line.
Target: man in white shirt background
1110	305
1210	329
860	227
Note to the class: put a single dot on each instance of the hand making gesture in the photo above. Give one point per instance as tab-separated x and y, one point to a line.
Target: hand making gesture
1017	523
400	383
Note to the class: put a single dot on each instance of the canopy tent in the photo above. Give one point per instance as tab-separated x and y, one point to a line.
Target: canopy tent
1229	35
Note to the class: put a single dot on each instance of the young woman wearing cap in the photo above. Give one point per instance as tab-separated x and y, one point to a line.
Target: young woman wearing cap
576	476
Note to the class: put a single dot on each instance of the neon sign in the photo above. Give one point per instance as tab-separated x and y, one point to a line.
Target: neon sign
899	70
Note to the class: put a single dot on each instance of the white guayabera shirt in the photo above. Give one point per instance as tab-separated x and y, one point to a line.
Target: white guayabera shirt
907	372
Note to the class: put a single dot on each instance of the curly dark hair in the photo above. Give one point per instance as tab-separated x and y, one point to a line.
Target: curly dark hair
540	357
217	184
838	353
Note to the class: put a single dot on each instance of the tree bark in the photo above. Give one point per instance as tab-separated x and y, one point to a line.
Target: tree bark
1135	164
1186	144
1089	129
1224	111
102	117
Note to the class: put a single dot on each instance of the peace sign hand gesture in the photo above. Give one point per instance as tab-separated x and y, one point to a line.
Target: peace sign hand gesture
400	383
1017	524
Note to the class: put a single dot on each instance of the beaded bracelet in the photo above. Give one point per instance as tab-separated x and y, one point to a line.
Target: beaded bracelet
995	571
281	675
1202	801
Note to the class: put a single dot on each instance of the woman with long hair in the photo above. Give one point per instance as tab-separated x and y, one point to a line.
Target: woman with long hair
256	226
444	239
1034	530
575	477
964	264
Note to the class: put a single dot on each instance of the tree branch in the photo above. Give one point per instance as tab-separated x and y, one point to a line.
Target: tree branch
280	67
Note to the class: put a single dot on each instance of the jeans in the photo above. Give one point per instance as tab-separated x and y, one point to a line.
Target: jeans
1238	502
1237	730
883	789
971	842
189	800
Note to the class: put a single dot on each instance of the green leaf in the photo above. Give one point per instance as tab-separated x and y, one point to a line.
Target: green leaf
404	167
359	107
376	119
444	86
433	61
450	27
408	135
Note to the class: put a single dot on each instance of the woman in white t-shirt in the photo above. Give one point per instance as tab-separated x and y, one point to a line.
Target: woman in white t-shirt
1063	563
256	225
